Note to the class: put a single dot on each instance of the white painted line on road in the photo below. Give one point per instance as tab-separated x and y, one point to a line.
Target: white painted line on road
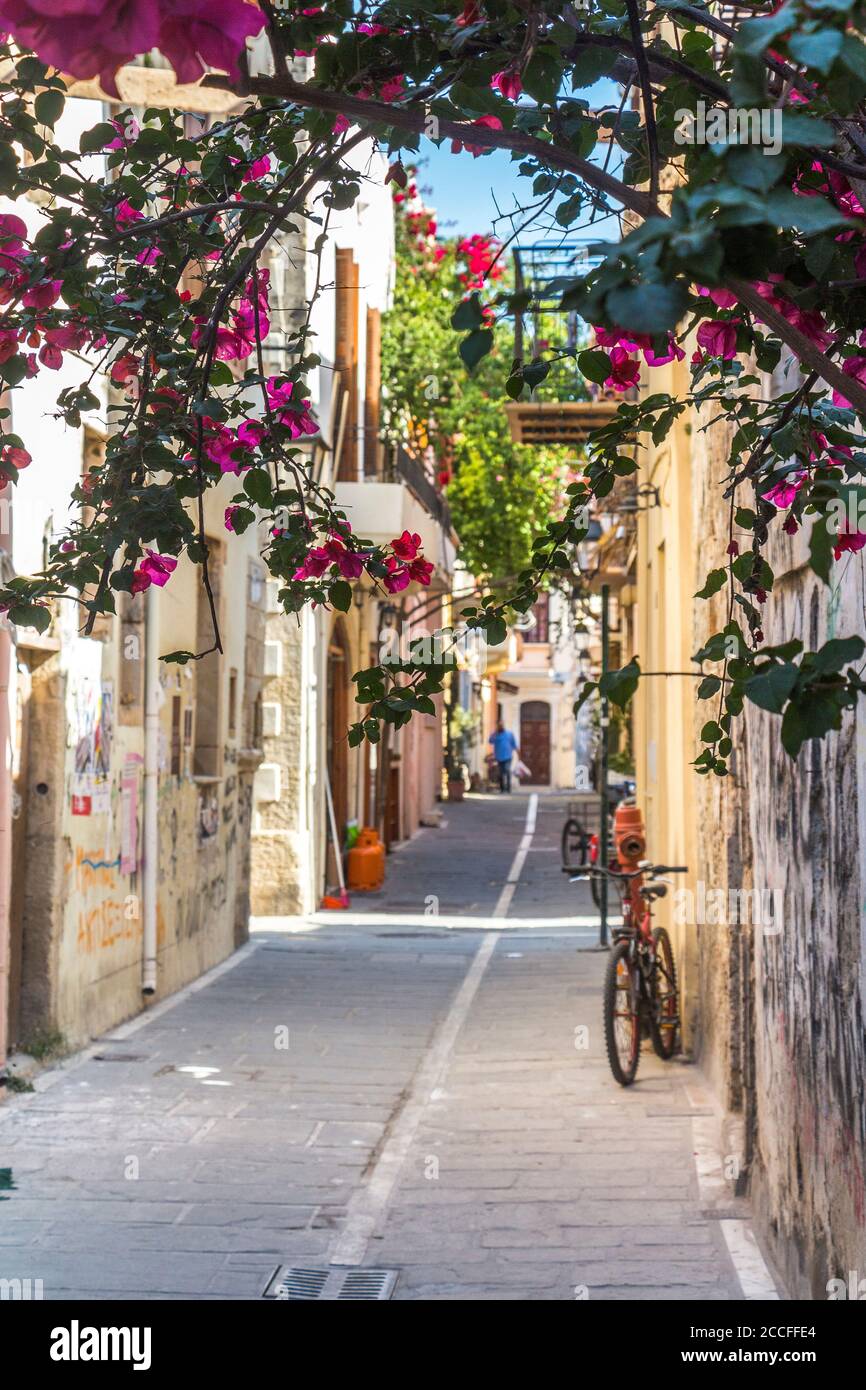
504	901
369	1203
756	1281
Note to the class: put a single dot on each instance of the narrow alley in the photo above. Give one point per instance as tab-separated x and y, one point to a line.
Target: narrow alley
417	1085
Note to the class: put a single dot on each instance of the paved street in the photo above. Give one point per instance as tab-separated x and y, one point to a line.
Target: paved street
402	1087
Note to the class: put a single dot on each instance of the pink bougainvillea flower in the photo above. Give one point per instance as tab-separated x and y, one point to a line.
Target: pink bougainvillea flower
848	541
297	418
125	368
625	370
257	170
315	563
790	525
406	547
251	433
12	234
71	337
154	569
782	494
718	337
659	359
93	38
398	576
491	123
508	83
341	125
51	357
149	256
128	130
421	570
854	367
8	344
350	564
42	296
18	457
392	90
619	337
723	299
125	214
230	514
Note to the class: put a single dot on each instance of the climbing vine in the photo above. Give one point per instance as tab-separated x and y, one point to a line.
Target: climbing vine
744	235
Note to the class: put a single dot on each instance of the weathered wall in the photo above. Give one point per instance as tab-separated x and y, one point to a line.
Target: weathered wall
81	793
781	1012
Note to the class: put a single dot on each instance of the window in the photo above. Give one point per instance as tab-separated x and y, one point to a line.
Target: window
539	631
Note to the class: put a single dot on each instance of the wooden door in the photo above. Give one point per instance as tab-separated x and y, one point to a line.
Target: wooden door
535	740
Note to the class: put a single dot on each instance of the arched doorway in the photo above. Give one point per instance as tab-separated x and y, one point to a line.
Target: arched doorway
535	740
338	723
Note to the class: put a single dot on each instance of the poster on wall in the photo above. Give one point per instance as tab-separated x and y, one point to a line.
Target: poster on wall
129	814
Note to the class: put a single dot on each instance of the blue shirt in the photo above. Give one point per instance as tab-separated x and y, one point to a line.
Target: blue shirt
504	745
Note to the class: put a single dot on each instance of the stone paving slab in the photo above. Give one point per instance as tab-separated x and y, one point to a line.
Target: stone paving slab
194	1169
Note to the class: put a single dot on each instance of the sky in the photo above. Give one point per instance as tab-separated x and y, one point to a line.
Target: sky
467	191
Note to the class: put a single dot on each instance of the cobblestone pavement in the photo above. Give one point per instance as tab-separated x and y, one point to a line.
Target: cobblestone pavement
431	1112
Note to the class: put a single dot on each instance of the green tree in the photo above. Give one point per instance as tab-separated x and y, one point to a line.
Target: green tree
501	494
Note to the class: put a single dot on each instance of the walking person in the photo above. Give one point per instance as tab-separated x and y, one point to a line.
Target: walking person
504	746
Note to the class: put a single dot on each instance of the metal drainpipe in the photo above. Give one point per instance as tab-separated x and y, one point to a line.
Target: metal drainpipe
5	783
151	789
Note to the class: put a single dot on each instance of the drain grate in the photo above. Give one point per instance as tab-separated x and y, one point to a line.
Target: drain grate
296	1283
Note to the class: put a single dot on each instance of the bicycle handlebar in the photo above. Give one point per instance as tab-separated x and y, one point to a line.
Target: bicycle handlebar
648	871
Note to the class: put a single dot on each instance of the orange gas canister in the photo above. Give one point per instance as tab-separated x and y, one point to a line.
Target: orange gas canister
366	862
629	836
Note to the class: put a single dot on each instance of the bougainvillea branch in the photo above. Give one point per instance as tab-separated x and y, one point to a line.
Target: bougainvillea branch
745	245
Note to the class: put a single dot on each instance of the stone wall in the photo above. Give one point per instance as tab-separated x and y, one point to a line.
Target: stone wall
781	1006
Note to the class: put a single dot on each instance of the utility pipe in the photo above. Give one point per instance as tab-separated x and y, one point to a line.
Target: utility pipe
151	789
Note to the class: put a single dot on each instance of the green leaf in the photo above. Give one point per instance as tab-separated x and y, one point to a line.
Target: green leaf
496	630
648	308
179	658
97	137
716	580
838	652
467	315
619	686
770	687
594	365
786	209
709	686
30	615
821	550
340	595
48	106
818	50
754	36
711	733
257	485
476	346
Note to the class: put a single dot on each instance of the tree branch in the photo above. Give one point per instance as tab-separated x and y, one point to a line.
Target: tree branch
372	113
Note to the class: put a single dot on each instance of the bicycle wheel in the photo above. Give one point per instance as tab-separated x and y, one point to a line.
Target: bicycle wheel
664	1009
621	1021
575	845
